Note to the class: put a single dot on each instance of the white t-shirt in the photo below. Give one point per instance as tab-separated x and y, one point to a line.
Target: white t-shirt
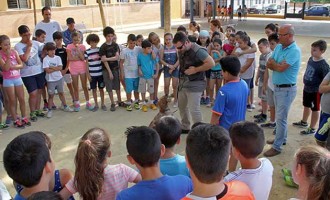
50	28
259	180
33	65
130	63
248	74
4	194
270	78
52	62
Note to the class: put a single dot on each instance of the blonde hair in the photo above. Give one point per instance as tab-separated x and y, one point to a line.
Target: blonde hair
316	161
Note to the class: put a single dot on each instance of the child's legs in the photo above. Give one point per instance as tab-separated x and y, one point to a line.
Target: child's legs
102	96
208	75
248	81
175	82
6	101
50	101
92	85
251	95
68	80
263	98
75	85
271	103
151	85
51	92
60	89
129	82
308	101
142	88
156	84
115	83
41	82
167	81
316	106
31	86
94	91
19	93
211	87
10	91
83	79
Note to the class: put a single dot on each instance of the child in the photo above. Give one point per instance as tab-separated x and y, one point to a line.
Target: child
311	172
11	64
230	46
269	86
204	41
322	134
195	28
129	71
59	178
230	103
95	179
94	71
61	52
239	13
265	51
40	36
229	30
216	75
49	195
317	68
147	74
169	130
157	48
271	29
28	162
248	142
77	66
109	52
139	39
144	150
247	63
169	58
207	153
52	65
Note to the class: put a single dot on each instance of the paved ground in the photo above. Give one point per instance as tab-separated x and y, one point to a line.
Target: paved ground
65	129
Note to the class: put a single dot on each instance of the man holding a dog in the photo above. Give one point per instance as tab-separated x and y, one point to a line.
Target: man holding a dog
194	60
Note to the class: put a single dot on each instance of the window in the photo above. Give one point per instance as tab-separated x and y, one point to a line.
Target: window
123	1
139	1
77	2
51	3
17	4
105	1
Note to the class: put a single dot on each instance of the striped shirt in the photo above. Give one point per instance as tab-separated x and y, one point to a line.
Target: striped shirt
94	62
116	178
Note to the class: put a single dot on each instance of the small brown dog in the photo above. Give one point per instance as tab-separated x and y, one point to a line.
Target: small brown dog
164	110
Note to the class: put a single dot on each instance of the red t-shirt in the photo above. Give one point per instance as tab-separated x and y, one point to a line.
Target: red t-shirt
228	48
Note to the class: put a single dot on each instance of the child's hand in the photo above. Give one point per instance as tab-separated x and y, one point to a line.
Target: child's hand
257	82
111	76
155	76
104	59
29	43
264	90
63	72
170	71
89	78
140	73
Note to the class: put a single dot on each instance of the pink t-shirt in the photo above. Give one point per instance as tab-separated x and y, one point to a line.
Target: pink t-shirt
116	178
73	50
11	73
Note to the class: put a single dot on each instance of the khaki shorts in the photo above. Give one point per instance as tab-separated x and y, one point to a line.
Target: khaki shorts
142	85
67	78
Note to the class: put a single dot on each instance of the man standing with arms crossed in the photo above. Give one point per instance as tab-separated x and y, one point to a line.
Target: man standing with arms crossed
285	63
194	60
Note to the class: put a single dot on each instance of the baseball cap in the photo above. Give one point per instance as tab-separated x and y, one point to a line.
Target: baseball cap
70	20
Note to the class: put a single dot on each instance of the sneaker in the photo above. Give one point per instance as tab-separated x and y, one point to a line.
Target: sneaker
122	104
309	131
268	125
39	113
54	107
253	106
89	106
137	105
95	109
33	116
45	108
18	124
249	108
144	108
25	121
4	126
49	113
207	101
76	108
113	107
67	109
129	108
104	108
257	116
8	119
155	102
175	104
300	124
260	120
202	100
153	107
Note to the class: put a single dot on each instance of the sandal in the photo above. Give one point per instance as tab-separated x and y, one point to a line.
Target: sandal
289	182
286	172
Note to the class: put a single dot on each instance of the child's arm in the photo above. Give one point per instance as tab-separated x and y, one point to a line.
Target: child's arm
265	83
324	86
219	55
157	69
122	72
137	179
81	54
25	57
5	65
106	65
19	61
247	65
161	57
114	58
70	56
257	78
215	119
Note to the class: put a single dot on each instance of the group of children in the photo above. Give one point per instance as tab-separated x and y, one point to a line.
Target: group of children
161	173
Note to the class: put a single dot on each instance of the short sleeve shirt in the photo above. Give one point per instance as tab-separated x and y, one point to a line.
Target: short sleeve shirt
262	66
52	62
50	28
61	52
292	56
174	166
146	62
74	52
130	61
248	74
314	74
33	65
94	62
110	50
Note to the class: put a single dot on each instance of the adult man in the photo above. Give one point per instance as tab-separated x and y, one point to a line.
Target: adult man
285	63
194	60
48	25
67	33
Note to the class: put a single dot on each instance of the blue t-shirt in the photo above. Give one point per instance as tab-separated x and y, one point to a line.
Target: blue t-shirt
163	188
146	62
292	56
19	197
174	166
217	66
230	103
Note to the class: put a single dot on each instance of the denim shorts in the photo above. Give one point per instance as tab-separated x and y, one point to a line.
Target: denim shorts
12	82
174	73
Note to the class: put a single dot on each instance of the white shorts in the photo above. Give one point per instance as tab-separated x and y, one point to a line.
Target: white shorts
67	78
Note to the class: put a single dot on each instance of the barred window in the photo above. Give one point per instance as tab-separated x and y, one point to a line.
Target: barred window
17	4
77	2
51	3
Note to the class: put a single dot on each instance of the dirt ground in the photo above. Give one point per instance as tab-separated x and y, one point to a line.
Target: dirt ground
65	129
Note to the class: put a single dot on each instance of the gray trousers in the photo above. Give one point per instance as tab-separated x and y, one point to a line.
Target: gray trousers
189	104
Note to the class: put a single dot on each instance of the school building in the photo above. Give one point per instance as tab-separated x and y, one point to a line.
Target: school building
14	13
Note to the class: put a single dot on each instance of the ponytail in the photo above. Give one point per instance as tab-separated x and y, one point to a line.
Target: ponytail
89	161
